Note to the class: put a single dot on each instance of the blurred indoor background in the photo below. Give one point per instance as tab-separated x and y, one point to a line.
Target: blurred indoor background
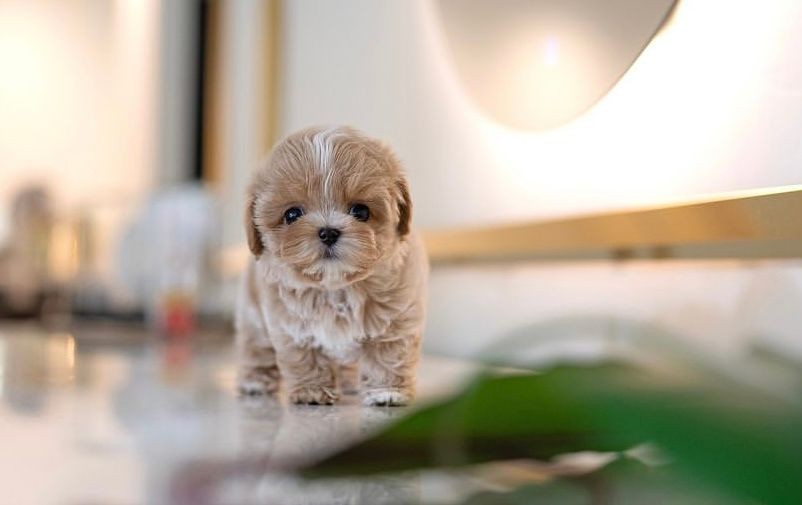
128	129
586	174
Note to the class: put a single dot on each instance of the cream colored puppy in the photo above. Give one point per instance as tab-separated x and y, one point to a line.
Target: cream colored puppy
337	280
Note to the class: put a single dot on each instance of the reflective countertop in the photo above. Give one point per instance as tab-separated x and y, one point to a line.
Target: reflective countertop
114	415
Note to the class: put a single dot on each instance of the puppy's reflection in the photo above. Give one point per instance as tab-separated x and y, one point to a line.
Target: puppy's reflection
281	437
302	433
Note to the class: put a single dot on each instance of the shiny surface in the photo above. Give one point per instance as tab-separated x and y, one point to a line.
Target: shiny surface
114	415
756	224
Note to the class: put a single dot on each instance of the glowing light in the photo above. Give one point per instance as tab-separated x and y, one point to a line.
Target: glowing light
666	131
551	51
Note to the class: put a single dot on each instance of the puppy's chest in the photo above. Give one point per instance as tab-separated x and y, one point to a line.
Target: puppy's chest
337	321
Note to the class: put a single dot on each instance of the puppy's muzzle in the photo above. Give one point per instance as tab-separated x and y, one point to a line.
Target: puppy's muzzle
328	236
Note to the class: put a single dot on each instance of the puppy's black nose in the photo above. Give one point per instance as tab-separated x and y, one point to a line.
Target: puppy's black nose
328	235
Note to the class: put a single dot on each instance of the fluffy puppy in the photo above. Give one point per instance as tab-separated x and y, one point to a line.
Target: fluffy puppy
335	288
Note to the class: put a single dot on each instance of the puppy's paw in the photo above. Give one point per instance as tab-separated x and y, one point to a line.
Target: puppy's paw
258	381
312	395
389	397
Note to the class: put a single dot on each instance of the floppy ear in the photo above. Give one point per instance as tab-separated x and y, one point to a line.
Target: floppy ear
404	206
251	232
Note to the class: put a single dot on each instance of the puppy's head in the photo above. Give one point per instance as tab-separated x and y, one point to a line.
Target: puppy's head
328	206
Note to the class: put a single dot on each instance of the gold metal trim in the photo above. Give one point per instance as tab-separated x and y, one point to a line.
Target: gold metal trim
751	225
273	12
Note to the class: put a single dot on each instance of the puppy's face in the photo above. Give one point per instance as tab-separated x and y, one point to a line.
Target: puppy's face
328	206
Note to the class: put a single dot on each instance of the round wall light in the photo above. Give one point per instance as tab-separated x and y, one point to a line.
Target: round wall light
537	64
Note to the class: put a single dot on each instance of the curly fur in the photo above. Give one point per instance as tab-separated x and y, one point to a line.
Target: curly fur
309	315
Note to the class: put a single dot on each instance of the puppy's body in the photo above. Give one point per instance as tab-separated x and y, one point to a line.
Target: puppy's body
314	310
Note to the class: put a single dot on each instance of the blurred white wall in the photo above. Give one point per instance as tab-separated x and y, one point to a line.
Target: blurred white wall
78	105
96	104
242	112
713	105
77	96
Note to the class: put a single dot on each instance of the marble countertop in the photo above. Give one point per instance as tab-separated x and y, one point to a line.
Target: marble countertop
114	415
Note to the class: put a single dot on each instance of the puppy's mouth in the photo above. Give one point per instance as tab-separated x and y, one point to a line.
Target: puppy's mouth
332	269
330	254
349	260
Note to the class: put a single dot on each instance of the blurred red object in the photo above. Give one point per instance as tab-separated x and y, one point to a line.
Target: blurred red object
177	314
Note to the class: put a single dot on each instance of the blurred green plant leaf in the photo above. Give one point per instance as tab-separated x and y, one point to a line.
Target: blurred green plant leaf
496	417
716	432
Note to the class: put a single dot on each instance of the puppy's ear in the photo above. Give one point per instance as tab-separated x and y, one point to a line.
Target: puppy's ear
251	232
404	206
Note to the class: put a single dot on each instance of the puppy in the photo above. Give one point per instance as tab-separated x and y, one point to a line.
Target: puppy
336	285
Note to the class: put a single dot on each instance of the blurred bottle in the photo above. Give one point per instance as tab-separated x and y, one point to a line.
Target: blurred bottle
165	256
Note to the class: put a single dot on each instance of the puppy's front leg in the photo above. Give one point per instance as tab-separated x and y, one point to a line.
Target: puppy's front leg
388	371
308	374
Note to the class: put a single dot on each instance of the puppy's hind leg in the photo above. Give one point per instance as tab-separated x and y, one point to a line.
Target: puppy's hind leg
258	371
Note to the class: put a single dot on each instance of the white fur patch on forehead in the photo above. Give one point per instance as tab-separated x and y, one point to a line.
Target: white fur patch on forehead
323	147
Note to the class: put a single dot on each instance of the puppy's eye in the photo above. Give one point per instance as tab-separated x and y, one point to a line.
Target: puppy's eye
359	211
292	214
